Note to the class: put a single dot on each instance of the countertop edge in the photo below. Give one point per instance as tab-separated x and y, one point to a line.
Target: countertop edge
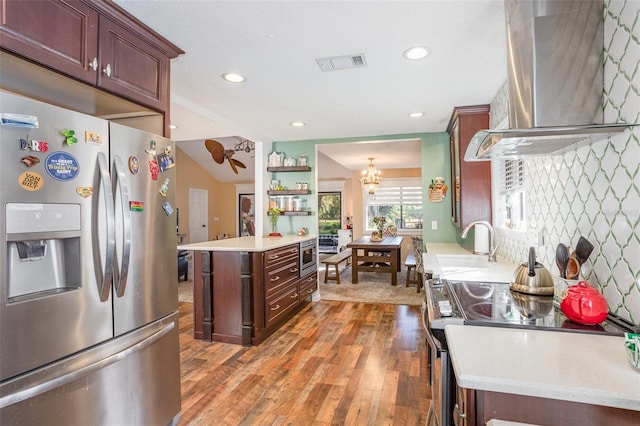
249	244
479	373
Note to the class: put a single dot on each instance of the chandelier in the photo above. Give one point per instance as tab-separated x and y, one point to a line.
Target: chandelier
371	178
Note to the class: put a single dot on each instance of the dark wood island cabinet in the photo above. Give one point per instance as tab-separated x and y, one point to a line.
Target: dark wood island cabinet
243	296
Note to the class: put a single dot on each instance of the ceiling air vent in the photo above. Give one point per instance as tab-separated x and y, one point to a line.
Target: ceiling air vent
336	63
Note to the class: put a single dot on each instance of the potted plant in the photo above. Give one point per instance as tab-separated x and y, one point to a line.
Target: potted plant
274	215
379	222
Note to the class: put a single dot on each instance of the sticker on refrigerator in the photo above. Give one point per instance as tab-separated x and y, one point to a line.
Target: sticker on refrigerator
136	206
30	160
18	120
164	188
154	169
91	137
30	181
166	206
134	165
34	145
84	191
62	166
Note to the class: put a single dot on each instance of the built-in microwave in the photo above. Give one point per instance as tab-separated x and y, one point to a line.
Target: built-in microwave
308	257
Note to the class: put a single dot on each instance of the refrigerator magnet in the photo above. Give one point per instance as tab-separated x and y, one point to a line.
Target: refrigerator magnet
136	206
34	145
154	169
164	188
62	166
69	137
91	137
84	191
30	181
30	160
152	148
166	206
134	165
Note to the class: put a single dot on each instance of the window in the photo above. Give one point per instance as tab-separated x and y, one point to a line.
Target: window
329	212
398	200
511	207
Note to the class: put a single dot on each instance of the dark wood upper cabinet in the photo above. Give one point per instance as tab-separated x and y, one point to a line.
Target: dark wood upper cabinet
93	41
470	181
61	35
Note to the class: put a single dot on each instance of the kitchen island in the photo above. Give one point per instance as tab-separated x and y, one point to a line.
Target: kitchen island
542	377
245	288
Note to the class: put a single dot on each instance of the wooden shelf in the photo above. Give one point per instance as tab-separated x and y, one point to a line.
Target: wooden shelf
289	192
295	213
290	169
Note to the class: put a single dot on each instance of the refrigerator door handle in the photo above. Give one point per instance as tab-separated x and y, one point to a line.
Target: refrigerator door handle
74	374
106	273
120	184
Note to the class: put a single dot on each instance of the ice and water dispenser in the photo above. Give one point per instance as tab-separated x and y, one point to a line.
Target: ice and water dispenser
43	249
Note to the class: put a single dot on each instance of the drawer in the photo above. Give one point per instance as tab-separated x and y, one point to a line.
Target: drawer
280	305
308	285
275	257
275	279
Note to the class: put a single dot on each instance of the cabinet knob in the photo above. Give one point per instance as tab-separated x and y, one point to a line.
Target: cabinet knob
107	70
94	64
293	296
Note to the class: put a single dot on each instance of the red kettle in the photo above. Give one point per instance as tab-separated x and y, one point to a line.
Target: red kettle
584	304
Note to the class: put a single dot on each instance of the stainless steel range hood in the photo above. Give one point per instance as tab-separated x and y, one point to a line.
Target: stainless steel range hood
555	51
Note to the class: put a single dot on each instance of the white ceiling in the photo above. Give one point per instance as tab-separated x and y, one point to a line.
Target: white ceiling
275	44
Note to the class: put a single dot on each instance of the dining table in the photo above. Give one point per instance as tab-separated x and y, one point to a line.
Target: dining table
376	256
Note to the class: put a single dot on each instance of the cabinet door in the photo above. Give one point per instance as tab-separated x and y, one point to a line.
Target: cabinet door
62	35
131	67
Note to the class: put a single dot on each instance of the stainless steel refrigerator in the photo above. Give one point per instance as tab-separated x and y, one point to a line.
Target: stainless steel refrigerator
88	270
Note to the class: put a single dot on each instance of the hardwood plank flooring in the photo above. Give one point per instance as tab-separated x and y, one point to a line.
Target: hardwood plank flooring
334	363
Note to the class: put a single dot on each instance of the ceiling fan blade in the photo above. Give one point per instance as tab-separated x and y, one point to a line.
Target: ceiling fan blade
233	166
216	149
238	163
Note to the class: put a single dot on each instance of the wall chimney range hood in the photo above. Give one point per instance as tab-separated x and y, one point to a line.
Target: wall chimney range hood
555	51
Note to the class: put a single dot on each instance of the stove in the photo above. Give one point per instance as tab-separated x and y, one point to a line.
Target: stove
494	304
487	304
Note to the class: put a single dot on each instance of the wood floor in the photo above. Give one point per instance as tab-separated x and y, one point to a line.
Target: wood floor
335	363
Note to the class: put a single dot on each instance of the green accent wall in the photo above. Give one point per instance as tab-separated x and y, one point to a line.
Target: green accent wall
435	160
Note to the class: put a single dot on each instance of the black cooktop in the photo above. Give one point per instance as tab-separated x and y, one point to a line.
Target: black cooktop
490	303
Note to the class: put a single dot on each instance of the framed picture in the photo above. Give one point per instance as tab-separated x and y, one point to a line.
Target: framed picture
246	217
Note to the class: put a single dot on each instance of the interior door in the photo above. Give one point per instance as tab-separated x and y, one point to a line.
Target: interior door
198	215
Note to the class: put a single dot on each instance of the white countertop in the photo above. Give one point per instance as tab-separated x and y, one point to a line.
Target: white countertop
247	243
454	262
579	367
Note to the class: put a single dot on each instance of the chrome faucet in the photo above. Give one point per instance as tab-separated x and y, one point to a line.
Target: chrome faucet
493	247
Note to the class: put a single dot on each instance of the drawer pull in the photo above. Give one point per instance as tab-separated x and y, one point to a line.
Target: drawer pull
273	256
293	296
458	416
310	290
310	279
275	308
293	270
276	278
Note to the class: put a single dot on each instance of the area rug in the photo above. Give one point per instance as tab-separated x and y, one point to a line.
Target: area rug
372	287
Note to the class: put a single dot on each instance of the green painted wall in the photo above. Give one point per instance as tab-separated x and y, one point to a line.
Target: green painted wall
435	162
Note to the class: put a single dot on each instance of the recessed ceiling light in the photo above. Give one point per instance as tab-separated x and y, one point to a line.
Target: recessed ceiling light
297	124
415	53
233	77
416	114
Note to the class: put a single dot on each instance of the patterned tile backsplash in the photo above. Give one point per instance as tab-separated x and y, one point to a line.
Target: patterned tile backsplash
594	190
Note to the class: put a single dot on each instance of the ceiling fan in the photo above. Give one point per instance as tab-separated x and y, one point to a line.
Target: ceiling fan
219	153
